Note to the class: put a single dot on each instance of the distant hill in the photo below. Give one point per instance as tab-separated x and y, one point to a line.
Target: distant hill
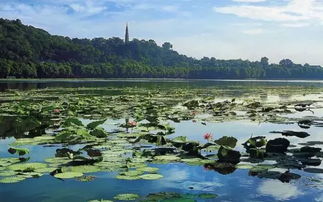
28	52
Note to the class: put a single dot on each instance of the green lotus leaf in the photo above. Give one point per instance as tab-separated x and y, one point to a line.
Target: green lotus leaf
8	161
31	174
45	170
72	121
167	158
86	178
148	169
19	151
58	160
127	177
15	179
227	141
94	124
244	166
101	200
81	169
126	197
196	161
207	196
99	132
7	173
132	173
151	176
68	175
27	167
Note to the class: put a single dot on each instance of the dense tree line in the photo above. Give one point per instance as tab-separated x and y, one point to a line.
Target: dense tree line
28	52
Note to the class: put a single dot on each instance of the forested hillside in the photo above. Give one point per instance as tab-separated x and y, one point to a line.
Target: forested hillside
28	52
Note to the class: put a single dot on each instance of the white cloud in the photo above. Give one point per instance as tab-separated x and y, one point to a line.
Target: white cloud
292	11
295	25
279	190
253	31
249	1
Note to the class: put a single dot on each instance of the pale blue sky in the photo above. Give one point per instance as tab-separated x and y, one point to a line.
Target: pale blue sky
225	29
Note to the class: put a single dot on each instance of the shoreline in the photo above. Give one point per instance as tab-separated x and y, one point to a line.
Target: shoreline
157	80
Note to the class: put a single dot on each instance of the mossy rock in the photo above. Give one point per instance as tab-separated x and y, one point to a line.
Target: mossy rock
126	197
68	175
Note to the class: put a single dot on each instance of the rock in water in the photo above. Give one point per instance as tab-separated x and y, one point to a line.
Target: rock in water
278	145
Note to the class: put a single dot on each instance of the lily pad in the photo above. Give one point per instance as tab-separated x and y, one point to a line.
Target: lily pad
81	169
27	167
148	169
126	197
14	179
151	176
227	141
67	175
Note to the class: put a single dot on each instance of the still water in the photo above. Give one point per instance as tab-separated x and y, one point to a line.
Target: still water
237	185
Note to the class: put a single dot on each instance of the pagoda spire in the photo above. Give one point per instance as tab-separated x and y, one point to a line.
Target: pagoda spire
126	40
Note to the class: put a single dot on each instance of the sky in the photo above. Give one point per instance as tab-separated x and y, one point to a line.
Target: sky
224	29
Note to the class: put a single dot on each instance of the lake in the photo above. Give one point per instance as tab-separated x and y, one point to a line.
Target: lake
161	140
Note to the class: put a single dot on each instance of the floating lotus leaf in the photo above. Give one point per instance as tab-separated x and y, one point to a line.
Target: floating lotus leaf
31	174
72	120
207	196
132	173
57	160
6	173
86	178
99	132
68	175
196	161
148	169
244	166
4	162
313	170
45	170
33	141
180	139
151	176
127	177
167	158
94	124
19	151
101	200
81	169
126	197
27	166
227	141
15	179
261	168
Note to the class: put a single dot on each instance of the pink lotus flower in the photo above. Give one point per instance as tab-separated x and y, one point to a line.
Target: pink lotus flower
132	123
57	111
208	136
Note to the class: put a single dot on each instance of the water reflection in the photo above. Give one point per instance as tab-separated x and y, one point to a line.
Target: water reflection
279	190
